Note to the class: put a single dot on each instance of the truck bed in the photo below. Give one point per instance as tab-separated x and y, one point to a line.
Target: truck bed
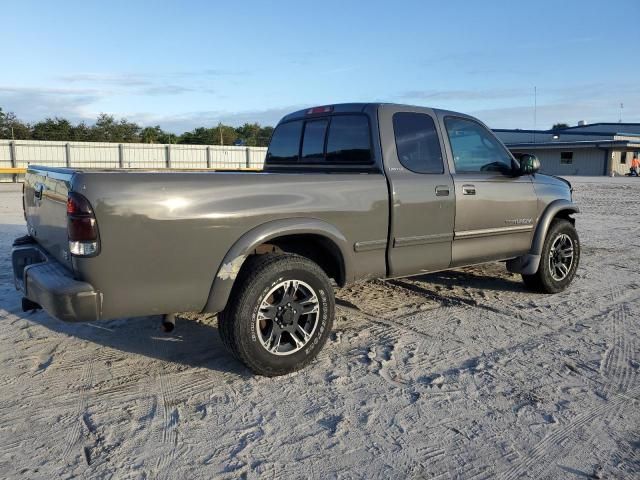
164	234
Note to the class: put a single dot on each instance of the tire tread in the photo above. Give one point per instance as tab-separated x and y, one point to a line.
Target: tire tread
255	267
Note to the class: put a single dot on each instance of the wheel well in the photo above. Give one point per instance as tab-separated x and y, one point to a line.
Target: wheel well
566	215
316	248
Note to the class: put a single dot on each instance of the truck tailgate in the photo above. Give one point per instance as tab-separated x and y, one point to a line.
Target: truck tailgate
45	206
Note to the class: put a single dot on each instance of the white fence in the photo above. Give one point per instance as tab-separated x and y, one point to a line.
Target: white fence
22	153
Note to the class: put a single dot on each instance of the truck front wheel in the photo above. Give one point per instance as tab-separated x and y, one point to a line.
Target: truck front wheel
279	315
559	259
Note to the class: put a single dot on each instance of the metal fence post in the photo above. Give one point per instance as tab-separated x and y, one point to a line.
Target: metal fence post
208	156
120	155
248	157
168	155
67	154
12	157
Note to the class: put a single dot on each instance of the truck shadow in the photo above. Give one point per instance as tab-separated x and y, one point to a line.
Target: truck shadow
193	343
196	343
489	277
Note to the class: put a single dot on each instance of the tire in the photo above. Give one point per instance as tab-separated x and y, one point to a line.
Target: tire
271	322
551	277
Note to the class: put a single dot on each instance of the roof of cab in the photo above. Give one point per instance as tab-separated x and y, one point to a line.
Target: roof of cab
337	108
359	107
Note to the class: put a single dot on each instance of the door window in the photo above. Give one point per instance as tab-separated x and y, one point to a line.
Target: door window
475	150
417	142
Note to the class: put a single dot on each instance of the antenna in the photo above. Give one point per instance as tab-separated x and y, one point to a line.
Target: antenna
535	111
620	117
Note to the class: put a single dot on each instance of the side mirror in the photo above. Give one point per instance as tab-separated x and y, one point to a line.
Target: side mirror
529	164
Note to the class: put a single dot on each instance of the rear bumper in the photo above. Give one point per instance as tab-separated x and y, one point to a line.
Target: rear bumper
46	282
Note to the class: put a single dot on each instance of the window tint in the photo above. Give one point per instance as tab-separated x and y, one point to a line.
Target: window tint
313	140
475	149
285	142
349	140
417	143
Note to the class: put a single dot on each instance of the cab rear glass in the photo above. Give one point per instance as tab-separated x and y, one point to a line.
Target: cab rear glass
333	140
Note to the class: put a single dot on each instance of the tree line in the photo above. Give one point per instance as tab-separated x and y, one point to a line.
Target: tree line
109	129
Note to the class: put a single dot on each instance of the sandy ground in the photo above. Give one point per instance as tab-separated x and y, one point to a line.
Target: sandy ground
459	374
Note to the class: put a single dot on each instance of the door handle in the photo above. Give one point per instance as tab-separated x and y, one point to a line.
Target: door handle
442	190
468	189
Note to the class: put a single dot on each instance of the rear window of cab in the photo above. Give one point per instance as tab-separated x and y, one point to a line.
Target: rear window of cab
333	140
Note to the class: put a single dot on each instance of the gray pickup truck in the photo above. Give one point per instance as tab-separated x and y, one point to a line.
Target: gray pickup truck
349	192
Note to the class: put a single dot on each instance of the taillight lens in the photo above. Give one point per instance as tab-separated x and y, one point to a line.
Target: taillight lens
82	228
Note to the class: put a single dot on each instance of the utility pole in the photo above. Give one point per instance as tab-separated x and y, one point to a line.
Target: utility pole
220	130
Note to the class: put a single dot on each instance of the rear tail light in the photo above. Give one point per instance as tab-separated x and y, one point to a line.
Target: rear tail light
82	228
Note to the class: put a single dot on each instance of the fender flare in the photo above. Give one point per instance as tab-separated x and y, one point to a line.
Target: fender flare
234	259
528	264
552	210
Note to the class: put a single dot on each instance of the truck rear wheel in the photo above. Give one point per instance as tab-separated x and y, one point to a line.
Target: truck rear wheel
559	259
279	314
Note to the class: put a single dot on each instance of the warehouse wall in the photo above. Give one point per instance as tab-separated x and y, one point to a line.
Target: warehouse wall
617	166
586	161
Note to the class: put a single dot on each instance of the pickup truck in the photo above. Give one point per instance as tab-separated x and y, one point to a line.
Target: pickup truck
349	192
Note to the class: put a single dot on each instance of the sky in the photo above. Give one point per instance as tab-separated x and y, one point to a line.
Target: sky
195	63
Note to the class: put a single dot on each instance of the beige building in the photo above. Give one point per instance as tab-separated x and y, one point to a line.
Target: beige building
597	149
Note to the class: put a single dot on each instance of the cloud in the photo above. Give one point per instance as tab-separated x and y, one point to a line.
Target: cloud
116	79
33	104
489	94
159	90
188	121
513	107
522	116
137	79
76	104
161	84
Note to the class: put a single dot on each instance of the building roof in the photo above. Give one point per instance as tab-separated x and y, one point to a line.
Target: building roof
563	131
622	144
600	123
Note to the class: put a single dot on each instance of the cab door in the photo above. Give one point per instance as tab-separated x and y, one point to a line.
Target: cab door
495	208
421	191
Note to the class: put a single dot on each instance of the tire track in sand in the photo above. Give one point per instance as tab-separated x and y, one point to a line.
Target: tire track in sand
619	376
170	418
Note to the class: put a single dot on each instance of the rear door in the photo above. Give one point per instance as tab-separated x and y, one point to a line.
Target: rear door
495	210
421	189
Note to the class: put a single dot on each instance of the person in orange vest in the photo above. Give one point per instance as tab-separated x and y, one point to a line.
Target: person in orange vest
635	166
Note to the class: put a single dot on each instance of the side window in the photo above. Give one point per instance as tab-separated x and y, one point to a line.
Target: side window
285	143
417	142
349	139
475	149
313	140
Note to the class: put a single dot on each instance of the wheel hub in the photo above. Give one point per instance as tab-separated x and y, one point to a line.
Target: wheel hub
561	257
287	317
